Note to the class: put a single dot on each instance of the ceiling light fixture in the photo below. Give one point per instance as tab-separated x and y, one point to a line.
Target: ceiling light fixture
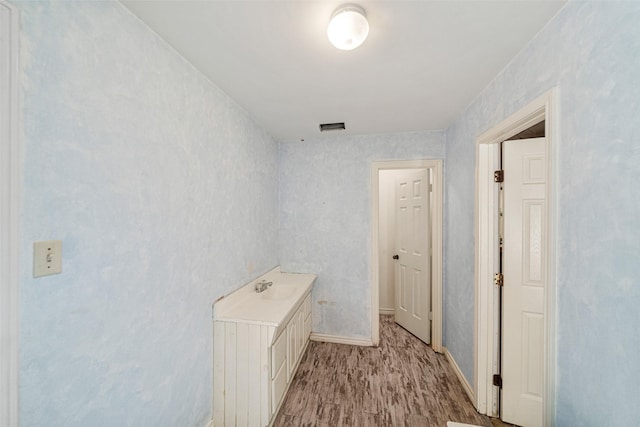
348	27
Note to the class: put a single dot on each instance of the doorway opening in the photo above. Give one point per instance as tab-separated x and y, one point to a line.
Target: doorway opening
383	177
490	281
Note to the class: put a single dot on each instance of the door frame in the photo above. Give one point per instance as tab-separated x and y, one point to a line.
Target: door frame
10	179
436	165
486	332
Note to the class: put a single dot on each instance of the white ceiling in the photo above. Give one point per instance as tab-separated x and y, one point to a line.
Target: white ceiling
422	65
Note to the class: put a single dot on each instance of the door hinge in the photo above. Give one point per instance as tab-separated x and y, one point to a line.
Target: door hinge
497	380
498	176
498	279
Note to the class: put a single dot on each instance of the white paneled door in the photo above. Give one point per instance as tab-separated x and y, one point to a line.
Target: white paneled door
413	264
524	268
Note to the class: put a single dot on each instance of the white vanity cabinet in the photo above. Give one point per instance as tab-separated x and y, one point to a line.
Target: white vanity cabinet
259	339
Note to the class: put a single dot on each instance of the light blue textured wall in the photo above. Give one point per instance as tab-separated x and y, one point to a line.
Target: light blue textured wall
325	219
164	193
591	51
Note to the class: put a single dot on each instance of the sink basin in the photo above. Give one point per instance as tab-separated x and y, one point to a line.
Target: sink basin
278	292
268	308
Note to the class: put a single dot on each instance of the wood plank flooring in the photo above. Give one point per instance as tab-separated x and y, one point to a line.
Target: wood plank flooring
403	382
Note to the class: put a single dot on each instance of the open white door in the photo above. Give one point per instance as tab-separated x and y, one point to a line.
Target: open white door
524	269
413	265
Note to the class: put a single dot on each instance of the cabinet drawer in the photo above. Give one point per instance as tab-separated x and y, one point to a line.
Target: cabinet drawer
278	386
278	354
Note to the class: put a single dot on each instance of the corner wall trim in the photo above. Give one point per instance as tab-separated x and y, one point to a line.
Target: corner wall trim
341	340
10	224
463	381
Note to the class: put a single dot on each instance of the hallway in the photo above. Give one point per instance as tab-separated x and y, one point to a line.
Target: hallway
401	383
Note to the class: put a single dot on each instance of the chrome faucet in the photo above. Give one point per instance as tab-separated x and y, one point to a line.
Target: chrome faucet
262	286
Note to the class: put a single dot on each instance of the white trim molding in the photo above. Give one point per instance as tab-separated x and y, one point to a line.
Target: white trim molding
436	165
336	339
387	311
10	176
487	326
463	381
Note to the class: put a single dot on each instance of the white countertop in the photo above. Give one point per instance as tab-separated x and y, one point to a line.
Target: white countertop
271	307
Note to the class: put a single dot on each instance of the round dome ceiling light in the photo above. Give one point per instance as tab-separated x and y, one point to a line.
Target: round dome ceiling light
348	27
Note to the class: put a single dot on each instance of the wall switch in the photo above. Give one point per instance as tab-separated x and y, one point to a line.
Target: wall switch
47	258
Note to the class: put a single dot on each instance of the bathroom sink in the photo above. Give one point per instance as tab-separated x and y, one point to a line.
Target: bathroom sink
270	307
278	292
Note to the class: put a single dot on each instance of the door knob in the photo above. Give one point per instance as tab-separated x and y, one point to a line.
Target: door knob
396	257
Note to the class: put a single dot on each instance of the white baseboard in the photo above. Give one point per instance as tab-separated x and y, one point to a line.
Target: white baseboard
465	384
387	311
341	340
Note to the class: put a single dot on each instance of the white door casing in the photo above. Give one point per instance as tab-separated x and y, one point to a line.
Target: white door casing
413	240
544	109
10	175
524	255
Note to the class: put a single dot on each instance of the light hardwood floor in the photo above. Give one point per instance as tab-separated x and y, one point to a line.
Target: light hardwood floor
403	382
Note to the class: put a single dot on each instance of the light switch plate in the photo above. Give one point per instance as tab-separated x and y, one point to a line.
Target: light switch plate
47	258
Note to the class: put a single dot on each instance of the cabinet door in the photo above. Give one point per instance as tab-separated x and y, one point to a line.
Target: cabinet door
301	337
292	346
306	306
307	328
306	319
278	354
278	386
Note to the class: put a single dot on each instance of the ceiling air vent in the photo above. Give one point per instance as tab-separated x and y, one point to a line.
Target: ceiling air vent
331	126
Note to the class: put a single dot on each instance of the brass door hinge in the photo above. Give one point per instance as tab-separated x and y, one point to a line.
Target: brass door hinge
498	279
498	176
